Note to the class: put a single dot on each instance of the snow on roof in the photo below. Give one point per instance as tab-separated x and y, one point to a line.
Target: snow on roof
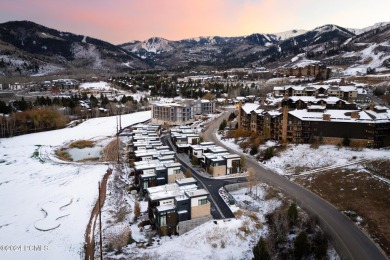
348	88
197	193
274	113
379	116
186	181
231	156
148	175
342	116
249	107
320	86
329	100
165	207
95	85
381	108
316	107
259	111
169	191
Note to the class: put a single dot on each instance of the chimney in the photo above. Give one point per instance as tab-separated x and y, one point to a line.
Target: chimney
355	114
326	117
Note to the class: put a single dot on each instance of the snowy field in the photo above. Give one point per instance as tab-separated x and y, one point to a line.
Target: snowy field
96	86
45	205
302	156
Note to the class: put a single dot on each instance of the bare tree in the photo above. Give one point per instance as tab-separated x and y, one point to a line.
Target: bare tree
251	179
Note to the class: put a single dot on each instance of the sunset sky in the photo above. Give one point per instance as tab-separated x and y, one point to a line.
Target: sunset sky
120	21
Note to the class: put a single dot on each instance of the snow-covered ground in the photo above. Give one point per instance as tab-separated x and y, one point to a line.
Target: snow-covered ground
46	204
374	60
96	86
302	156
216	239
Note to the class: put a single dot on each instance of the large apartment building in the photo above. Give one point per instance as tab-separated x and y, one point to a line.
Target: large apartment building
172	113
302	119
318	71
181	113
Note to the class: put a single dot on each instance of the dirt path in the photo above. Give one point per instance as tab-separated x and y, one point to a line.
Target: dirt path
90	240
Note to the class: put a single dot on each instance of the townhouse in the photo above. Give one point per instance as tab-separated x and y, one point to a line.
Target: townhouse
184	136
216	160
172	204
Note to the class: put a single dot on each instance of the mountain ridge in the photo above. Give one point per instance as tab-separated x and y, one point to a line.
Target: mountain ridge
27	48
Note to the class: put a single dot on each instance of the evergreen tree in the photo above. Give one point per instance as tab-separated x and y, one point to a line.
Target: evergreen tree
301	245
260	251
292	214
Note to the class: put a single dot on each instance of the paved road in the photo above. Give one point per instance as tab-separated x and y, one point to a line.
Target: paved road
349	241
219	209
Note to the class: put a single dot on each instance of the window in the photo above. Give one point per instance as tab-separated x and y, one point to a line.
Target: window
202	202
176	171
163	221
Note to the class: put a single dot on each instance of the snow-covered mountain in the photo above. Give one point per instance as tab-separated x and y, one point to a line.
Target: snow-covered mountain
27	48
369	28
288	34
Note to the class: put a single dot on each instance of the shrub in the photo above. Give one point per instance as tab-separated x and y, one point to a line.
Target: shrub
223	125
118	250
110	247
137	210
110	151
239	213
253	150
241	133
194	160
242	161
82	144
188	173
245	227
64	155
232	116
130	239
269	153
260	251
301	245
346	141
292	214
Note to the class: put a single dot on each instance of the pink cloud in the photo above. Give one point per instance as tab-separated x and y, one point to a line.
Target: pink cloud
124	20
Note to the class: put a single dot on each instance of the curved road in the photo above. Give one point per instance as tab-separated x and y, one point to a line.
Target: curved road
349	241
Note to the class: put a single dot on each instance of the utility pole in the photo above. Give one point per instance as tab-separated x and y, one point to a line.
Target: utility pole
100	226
118	145
117	139
120	118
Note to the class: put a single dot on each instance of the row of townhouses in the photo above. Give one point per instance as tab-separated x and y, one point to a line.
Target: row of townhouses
215	160
181	113
175	202
347	93
302	119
